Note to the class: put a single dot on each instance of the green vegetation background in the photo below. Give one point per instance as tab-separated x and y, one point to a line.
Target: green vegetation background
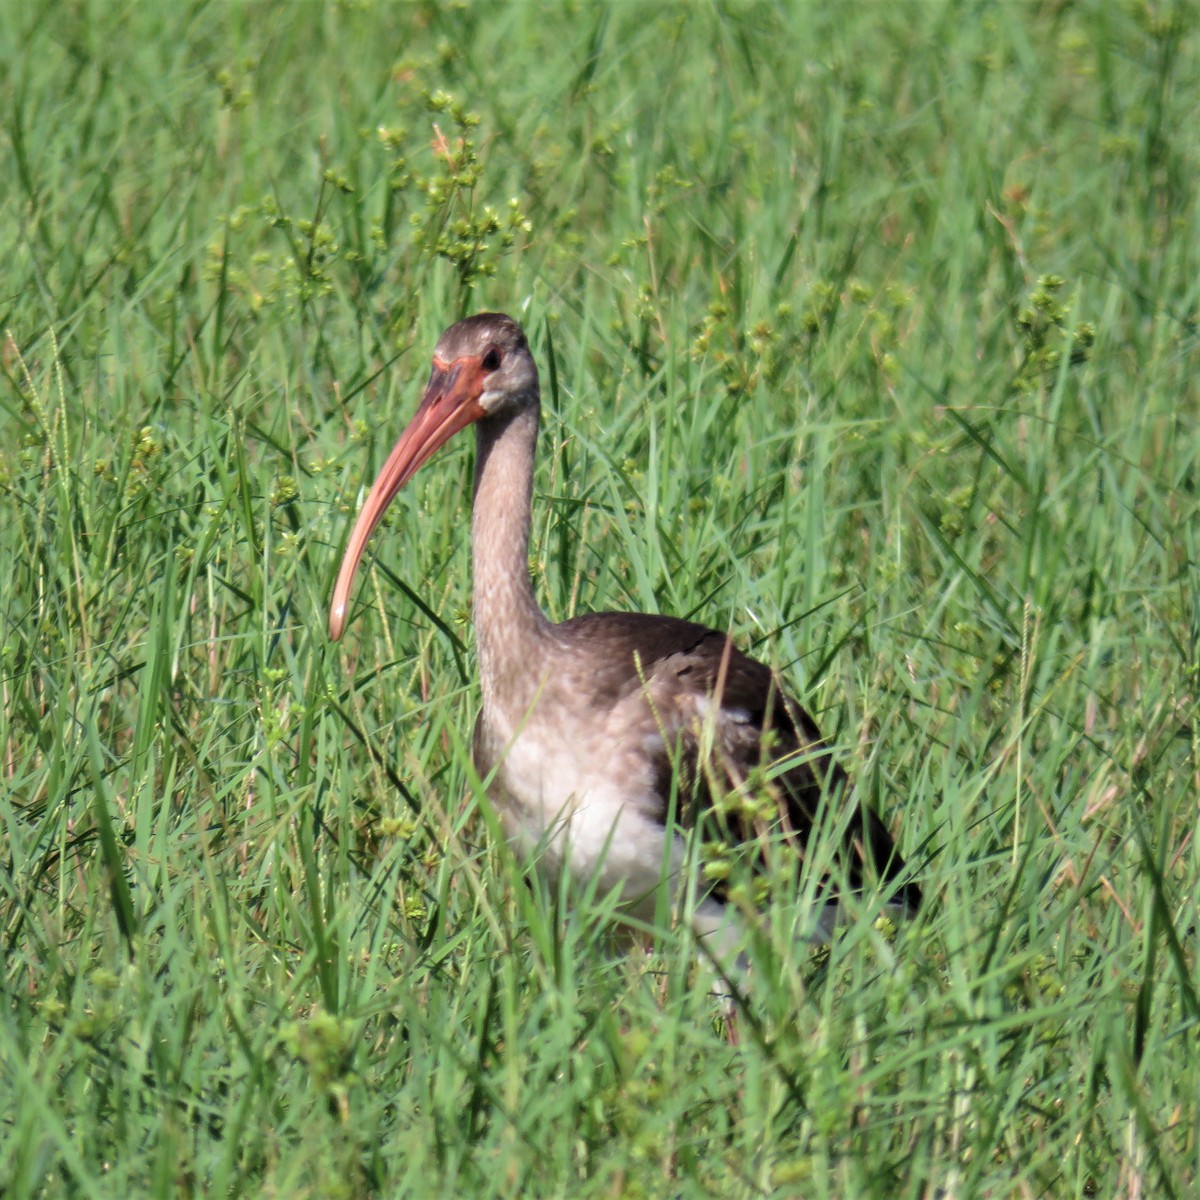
868	331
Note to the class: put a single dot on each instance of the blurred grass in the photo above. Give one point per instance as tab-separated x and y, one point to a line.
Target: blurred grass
873	334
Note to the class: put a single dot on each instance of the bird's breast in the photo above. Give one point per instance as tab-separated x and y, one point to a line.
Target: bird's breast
578	790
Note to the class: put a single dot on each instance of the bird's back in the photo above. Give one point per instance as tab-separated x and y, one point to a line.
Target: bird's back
728	747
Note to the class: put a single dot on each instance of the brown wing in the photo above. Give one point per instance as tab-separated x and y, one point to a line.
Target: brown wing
745	759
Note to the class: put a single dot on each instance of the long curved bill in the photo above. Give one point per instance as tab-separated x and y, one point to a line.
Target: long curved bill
450	403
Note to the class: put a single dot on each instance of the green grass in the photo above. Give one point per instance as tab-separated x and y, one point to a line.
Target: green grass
873	332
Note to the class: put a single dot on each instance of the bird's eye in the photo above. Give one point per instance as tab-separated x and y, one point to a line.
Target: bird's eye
492	359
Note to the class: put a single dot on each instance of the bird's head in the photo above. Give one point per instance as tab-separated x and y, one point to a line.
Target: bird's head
482	368
485	360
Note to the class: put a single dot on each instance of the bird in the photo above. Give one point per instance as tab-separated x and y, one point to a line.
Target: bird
609	742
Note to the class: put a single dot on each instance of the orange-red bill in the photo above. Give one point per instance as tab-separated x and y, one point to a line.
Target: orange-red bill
450	403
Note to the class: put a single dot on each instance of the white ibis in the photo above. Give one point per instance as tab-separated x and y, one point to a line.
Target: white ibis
606	737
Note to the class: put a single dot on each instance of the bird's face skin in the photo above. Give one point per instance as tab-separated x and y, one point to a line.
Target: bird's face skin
481	368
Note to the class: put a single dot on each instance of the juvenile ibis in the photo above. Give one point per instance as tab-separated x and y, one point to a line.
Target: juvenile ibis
606	737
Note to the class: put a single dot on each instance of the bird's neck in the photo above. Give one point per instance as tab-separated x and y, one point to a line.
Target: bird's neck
509	625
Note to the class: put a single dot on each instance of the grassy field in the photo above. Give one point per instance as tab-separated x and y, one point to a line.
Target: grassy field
873	332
